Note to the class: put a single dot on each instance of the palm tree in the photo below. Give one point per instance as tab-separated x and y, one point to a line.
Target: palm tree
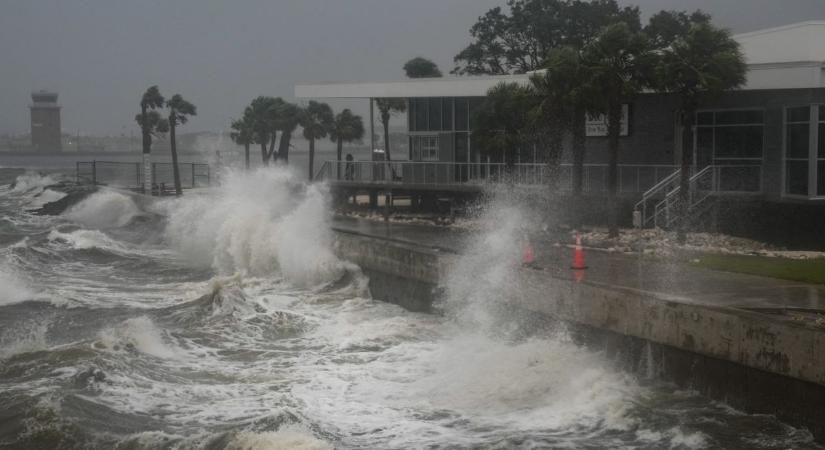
388	107
702	63
259	115
242	134
317	121
567	94
419	67
179	112
286	118
502	119
150	123
621	63
347	127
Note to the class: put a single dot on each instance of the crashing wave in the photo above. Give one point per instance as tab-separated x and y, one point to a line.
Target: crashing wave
258	223
104	209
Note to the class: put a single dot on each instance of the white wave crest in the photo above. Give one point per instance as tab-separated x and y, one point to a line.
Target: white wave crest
13	290
45	197
140	333
104	209
30	337
258	223
288	438
86	239
31	182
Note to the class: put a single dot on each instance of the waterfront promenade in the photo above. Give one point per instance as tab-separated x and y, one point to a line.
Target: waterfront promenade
663	278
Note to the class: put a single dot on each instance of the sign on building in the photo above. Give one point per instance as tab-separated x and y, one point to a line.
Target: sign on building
597	125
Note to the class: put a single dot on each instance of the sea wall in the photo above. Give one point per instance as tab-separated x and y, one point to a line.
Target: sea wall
757	362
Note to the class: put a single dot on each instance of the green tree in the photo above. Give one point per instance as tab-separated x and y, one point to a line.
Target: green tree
347	127
665	27
286	117
243	134
621	63
502	120
317	121
259	114
519	42
698	64
566	96
388	107
419	67
151	124
179	112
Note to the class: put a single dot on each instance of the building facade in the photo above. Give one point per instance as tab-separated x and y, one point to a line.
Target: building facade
765	139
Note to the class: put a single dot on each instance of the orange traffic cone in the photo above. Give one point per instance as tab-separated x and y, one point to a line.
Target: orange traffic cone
528	257
578	256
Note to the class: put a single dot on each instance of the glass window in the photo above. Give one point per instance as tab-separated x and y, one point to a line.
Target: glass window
704	118
738	142
434	105
739	117
425	148
447	114
821	145
420	114
798	139
473	105
411	115
820	177
461	114
796	177
801	114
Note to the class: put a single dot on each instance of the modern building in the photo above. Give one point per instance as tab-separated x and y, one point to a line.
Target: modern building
45	121
765	141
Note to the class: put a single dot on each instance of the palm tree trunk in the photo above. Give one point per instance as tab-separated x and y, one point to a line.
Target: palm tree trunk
147	145
614	117
271	147
386	124
688	114
338	158
173	145
246	155
283	146
311	157
264	159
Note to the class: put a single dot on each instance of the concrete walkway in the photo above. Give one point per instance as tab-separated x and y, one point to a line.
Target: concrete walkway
674	280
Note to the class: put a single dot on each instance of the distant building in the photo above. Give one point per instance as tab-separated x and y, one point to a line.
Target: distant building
45	121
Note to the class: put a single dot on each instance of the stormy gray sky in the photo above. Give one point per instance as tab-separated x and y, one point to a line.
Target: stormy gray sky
101	54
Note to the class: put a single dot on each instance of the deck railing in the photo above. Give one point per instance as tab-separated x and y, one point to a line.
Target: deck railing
632	178
129	175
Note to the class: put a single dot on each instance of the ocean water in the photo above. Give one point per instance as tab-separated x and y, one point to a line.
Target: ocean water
224	320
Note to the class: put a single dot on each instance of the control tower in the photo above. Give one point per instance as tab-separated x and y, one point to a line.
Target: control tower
45	121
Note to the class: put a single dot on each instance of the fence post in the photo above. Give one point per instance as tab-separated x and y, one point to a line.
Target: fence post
193	175
137	174
94	173
154	170
208	176
77	172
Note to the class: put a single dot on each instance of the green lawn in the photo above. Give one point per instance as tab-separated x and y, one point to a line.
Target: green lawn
805	270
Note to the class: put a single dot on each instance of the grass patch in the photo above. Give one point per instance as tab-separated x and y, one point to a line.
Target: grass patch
804	270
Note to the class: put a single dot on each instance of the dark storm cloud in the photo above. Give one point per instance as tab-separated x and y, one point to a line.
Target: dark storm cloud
101	54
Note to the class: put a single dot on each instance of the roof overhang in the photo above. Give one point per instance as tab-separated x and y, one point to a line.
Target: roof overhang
428	87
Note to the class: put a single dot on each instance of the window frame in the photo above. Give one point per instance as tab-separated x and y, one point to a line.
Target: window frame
714	158
815	119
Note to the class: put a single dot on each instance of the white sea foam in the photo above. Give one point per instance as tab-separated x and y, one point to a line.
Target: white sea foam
85	239
259	223
28	337
142	334
12	289
31	182
44	197
287	438
104	209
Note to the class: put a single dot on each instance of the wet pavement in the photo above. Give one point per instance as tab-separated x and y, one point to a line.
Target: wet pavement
668	279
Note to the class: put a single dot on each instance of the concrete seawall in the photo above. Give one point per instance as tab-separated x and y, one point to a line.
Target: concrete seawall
753	361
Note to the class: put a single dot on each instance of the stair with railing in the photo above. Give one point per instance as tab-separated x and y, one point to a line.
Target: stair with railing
705	187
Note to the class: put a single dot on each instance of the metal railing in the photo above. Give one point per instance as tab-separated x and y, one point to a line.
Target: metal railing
129	175
632	178
706	185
